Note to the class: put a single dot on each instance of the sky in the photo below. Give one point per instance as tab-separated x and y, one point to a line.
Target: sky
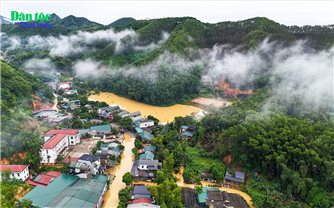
105	12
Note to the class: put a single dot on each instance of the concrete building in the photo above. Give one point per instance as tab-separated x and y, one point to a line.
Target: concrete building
19	172
56	143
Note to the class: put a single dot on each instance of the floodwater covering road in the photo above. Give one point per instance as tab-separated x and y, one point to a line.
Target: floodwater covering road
111	198
164	114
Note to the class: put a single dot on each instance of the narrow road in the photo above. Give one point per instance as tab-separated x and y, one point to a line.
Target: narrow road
55	102
111	198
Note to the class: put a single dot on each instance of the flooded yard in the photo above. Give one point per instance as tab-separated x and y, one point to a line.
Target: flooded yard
164	114
111	198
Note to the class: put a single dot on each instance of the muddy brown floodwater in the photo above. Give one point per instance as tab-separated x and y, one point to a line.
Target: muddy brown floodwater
164	114
111	198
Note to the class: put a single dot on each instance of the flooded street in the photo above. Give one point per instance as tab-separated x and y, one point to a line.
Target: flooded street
111	198
164	114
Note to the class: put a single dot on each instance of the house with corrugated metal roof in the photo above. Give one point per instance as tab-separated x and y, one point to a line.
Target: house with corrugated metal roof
69	191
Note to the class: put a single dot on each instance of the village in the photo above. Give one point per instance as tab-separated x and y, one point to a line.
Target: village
109	150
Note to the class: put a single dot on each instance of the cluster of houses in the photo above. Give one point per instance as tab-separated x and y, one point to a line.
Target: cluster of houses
141	197
84	185
66	87
51	117
211	197
109	152
146	167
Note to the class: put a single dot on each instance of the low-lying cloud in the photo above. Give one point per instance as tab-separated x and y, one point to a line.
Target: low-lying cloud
89	68
66	45
297	74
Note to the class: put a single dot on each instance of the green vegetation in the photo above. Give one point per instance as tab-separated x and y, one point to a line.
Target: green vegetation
20	133
124	196
171	86
294	152
127	179
9	189
167	194
197	162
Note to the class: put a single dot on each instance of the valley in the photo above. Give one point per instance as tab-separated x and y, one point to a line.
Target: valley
168	112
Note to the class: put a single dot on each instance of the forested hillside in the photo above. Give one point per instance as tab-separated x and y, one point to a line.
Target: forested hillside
295	153
19	132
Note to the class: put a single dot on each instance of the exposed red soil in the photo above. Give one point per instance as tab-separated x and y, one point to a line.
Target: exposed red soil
222	84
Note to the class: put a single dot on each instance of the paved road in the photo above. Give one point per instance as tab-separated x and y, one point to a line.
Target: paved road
111	198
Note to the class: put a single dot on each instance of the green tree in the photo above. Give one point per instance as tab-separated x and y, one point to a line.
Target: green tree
126	123
167	192
127	178
5	174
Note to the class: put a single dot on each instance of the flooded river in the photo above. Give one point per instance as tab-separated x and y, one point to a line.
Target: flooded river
111	198
164	114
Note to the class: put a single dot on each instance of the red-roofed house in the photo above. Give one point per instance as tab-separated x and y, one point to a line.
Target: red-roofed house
17	171
142	200
56	142
73	135
44	179
54	174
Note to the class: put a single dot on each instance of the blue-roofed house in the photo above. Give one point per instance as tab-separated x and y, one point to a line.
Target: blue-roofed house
203	197
150	148
97	131
187	135
148	155
146	135
187	132
101	129
139	130
238	177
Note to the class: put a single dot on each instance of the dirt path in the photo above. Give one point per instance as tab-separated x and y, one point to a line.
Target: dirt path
54	107
111	198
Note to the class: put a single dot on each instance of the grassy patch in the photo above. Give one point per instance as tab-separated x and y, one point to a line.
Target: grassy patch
197	162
